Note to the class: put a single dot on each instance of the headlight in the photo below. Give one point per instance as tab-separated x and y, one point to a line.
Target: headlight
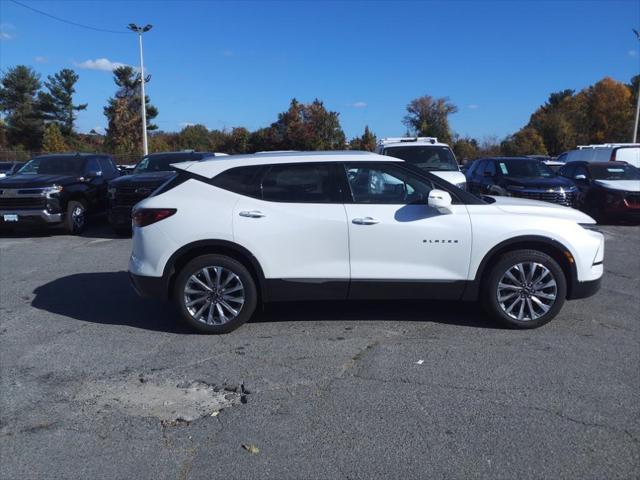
48	191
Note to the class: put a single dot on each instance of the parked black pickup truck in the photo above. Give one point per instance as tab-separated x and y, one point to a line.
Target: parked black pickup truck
152	171
57	190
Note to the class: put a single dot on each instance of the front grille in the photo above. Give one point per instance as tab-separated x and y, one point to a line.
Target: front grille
22	202
567	199
129	196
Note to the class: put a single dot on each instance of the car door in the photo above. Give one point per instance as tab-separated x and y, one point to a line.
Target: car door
582	178
399	246
96	191
297	230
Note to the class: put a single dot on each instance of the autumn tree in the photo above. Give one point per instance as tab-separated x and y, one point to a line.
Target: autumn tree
366	142
428	116
610	115
18	89
57	104
52	141
465	148
124	130
524	142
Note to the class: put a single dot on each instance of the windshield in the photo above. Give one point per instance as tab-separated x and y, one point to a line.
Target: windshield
161	163
617	172
426	157
54	165
524	168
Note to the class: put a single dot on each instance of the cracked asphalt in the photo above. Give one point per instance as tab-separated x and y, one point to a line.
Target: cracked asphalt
330	390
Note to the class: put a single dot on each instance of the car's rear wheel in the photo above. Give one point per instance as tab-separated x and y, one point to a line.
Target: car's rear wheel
76	217
525	289
215	294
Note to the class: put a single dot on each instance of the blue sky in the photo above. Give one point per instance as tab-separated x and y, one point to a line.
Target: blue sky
226	64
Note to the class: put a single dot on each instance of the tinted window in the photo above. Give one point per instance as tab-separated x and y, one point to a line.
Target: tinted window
490	169
614	172
581	170
107	166
301	183
63	165
567	171
524	168
93	166
386	184
242	180
427	157
161	162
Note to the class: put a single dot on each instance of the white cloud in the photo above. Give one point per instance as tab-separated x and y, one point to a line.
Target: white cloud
473	106
102	64
633	53
6	36
40	59
228	53
358	105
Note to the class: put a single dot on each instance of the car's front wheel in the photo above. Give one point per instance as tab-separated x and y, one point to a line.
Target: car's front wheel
524	289
76	217
215	294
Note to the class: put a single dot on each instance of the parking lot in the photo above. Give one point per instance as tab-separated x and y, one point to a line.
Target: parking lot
98	383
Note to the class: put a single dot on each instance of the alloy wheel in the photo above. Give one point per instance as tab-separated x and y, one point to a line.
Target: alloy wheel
214	295
527	291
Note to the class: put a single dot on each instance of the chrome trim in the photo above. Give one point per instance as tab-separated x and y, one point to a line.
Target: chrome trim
43	214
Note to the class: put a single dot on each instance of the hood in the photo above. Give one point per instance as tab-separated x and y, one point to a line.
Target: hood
146	178
538	182
626	185
535	207
36	181
453	176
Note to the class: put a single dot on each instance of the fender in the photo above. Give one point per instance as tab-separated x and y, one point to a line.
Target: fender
472	290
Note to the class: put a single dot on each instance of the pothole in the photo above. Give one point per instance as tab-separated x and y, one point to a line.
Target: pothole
166	399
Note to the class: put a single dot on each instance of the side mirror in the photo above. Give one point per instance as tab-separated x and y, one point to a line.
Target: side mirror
440	200
580	178
94	174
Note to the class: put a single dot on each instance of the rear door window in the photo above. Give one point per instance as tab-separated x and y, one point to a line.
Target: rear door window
301	183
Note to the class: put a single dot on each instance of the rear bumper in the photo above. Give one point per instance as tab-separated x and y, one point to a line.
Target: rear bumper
148	287
30	217
584	289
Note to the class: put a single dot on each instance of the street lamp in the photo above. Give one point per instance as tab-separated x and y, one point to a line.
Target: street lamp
140	30
635	125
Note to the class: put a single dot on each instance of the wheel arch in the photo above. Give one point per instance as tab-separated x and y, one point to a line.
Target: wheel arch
195	249
555	249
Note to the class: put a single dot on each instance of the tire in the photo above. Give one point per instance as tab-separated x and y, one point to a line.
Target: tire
76	217
239	282
517	304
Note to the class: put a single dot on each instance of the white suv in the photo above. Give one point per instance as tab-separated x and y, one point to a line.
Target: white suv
427	153
221	237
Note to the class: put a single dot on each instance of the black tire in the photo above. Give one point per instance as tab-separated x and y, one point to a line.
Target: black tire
497	309
76	217
229	264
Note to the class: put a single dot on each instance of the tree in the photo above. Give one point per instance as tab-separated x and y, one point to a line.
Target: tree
610	113
524	142
465	148
124	131
194	137
52	140
428	116
57	104
366	142
18	89
305	127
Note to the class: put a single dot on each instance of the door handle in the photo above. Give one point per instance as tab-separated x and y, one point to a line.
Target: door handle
365	221
252	214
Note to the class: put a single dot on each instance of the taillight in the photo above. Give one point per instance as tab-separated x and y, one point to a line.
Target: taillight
146	216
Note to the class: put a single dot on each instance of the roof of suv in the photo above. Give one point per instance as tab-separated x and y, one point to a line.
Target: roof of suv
211	169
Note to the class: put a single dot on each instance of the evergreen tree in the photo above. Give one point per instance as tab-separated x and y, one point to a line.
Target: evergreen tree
18	89
57	104
52	141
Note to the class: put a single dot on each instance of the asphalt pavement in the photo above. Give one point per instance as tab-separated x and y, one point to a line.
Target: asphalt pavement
98	383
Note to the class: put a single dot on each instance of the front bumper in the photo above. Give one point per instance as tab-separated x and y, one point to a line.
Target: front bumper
584	289
31	217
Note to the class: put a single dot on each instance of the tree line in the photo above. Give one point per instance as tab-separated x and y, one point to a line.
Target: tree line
41	115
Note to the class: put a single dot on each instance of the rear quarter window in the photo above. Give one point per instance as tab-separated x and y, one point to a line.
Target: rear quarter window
241	180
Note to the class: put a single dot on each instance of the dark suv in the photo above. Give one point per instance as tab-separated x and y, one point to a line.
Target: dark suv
57	189
520	177
152	171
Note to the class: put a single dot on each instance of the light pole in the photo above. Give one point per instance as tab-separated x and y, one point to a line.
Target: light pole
635	125
140	30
